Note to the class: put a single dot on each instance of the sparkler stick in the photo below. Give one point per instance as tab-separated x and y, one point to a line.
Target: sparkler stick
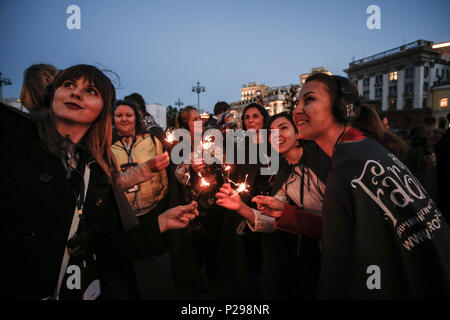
226	168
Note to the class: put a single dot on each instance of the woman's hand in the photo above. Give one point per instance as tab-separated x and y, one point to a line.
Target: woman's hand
159	163
228	198
177	217
198	167
269	206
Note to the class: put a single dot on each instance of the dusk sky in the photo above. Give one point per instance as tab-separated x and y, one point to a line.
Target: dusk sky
160	49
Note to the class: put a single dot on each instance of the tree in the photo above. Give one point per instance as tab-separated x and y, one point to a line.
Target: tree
171	115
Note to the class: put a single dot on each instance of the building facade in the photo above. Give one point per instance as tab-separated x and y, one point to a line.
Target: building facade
274	99
304	76
398	81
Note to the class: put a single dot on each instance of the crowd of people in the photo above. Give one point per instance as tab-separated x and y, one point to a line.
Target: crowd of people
96	208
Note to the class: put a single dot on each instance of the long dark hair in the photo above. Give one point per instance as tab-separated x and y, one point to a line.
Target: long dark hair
97	140
261	110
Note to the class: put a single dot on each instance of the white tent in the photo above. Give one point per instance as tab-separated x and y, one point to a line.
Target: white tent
158	111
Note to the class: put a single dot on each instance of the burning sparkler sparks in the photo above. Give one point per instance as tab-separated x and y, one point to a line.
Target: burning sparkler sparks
226	168
170	135
241	187
203	182
207	143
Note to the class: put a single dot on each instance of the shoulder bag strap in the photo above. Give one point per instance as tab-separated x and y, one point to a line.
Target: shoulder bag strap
73	229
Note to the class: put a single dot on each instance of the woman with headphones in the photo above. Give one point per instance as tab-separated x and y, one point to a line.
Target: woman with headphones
383	237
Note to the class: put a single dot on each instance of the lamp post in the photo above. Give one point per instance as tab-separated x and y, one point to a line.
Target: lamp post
179	103
3	82
198	89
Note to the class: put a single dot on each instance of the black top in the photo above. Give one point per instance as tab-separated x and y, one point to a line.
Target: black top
38	206
379	224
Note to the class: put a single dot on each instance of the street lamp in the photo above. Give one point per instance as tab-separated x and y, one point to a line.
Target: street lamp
198	89
3	81
179	103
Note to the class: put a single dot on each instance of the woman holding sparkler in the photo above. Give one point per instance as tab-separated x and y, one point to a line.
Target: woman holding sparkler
241	176
299	181
60	185
133	147
211	255
194	247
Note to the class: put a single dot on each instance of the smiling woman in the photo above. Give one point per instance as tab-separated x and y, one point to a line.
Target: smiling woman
370	200
62	208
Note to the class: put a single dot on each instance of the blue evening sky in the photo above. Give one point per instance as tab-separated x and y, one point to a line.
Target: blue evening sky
162	48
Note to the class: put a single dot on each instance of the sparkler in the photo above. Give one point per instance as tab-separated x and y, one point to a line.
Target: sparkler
241	187
170	135
203	182
207	143
226	168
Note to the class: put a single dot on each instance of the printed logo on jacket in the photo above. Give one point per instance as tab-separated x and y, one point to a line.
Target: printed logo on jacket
402	198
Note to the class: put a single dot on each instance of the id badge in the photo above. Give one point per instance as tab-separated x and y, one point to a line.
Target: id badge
127	166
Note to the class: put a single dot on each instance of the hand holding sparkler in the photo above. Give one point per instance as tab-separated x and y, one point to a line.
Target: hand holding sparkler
198	166
269	206
159	162
229	198
177	217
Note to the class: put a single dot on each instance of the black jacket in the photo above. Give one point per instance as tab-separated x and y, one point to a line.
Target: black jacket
377	215
38	205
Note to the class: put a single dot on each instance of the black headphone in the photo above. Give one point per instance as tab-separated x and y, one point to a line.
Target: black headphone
347	106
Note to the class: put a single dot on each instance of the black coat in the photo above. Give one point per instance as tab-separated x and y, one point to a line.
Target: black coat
383	237
38	206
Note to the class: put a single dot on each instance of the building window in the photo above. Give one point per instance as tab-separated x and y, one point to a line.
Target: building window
378	92
366	95
392	104
379	79
393	91
409	73
366	82
408	87
425	73
408	103
443	103
393	76
425	86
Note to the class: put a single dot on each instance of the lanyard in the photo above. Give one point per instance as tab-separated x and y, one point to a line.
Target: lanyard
73	229
128	149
